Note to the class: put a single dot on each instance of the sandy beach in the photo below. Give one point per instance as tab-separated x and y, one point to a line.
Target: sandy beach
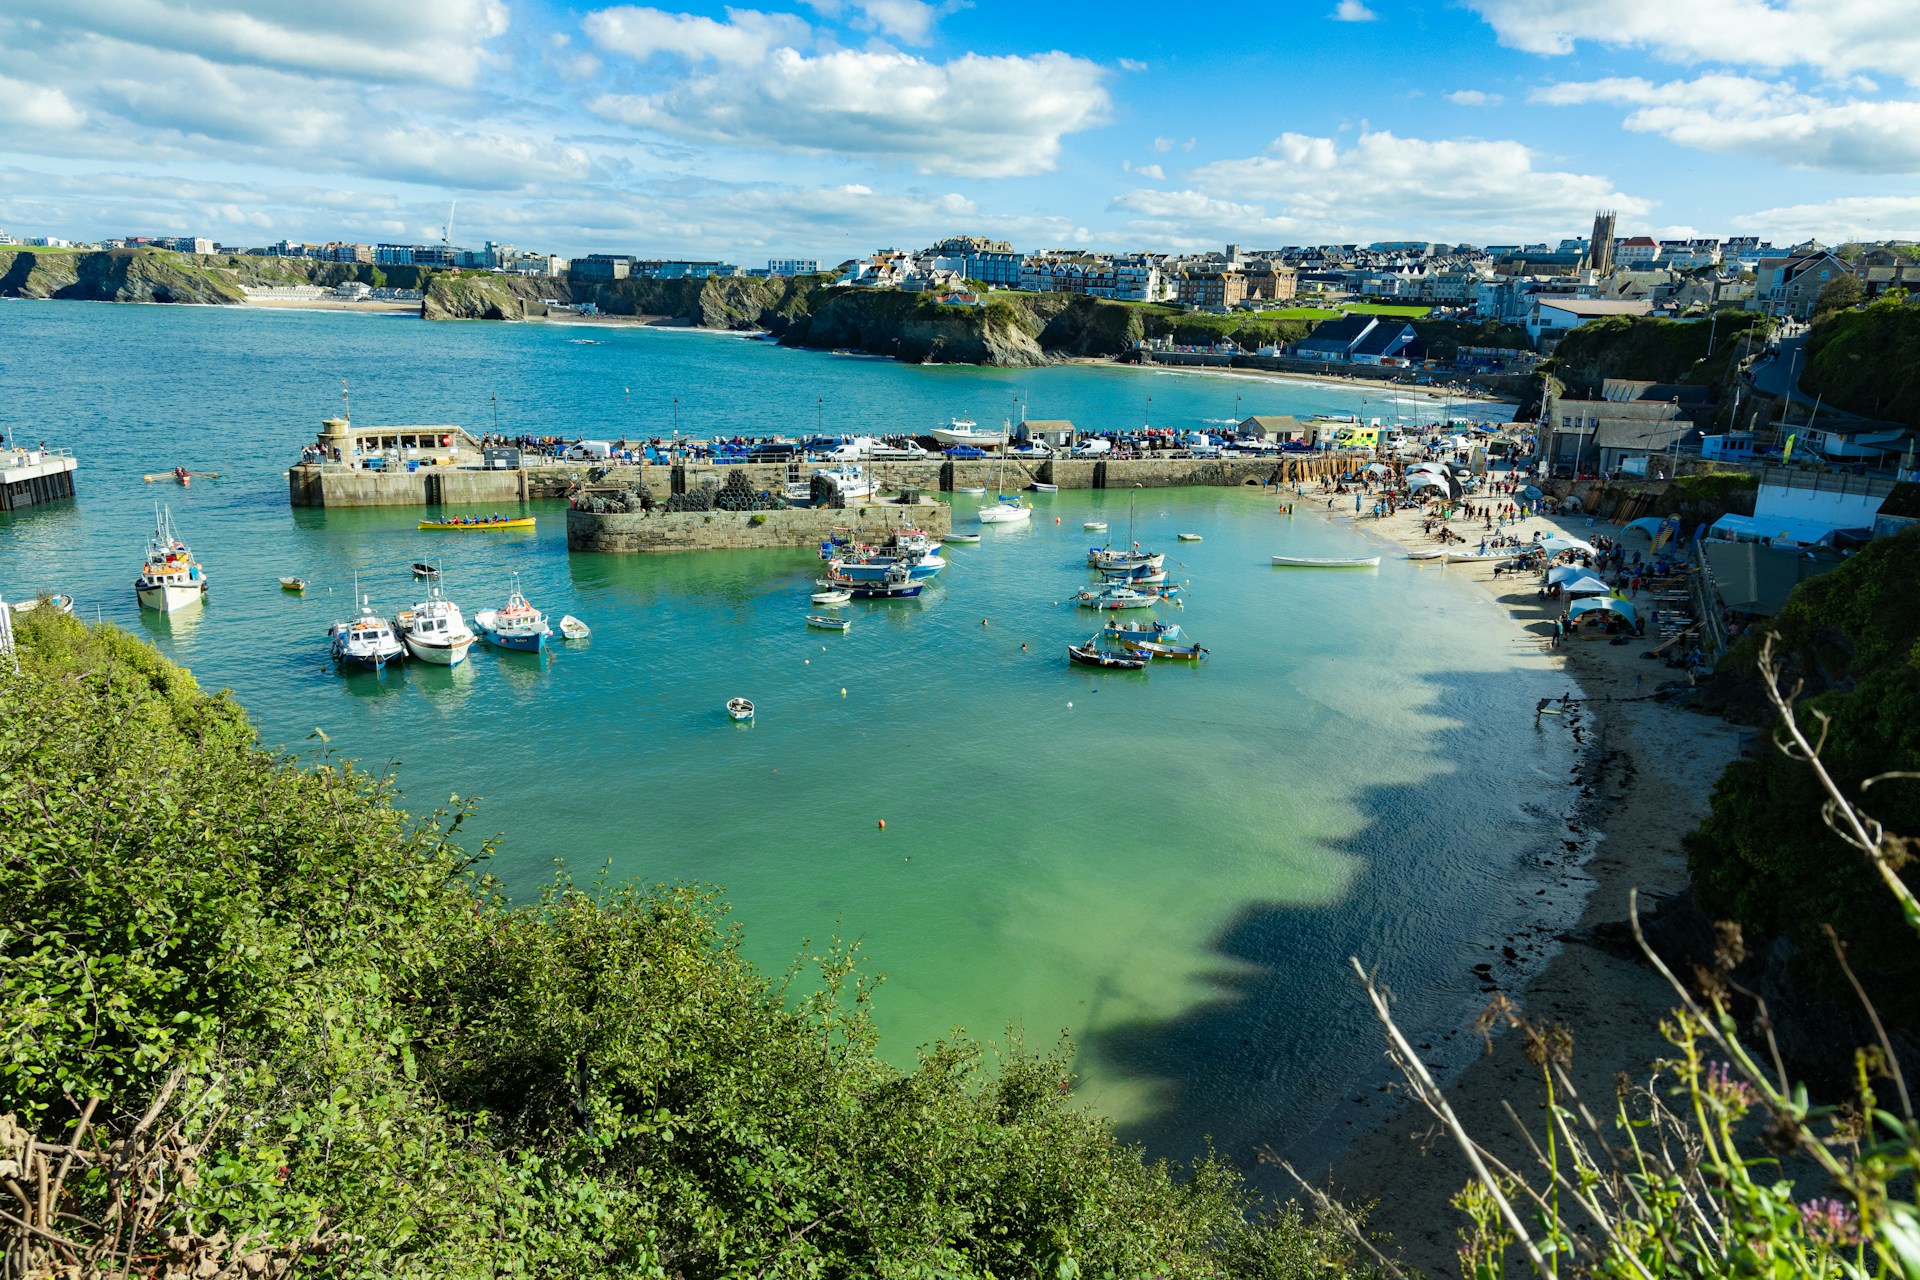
370	305
1649	771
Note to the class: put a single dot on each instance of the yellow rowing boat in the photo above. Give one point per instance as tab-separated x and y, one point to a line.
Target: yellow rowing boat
469	526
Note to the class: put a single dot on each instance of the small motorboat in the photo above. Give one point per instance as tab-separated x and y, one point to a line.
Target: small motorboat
470	524
293	584
832	595
1159	632
514	625
1115	597
973	491
421	569
435	631
1160	649
368	641
56	602
1187	537
740	708
1095	526
825	623
964	539
1315	562
571	628
1087	655
1037	487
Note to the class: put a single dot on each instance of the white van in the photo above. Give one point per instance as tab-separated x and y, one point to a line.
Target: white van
852	449
589	451
1092	448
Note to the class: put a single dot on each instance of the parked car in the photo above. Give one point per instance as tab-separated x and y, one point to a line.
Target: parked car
1032	449
771	452
965	451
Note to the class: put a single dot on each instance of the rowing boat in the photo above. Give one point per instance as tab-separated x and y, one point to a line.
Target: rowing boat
293	584
470	526
1088	656
824	623
1316	562
1187	537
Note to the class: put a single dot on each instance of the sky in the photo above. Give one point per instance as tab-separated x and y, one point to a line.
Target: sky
829	128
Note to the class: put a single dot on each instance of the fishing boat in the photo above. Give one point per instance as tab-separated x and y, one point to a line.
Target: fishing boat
1318	562
740	708
1115	597
421	569
1037	487
1140	577
367	641
1160	649
897	585
571	628
1187	537
966	431
973	491
57	602
473	524
170	578
436	631
825	623
833	595
965	539
293	584
515	625
1095	526
1150	629
1087	655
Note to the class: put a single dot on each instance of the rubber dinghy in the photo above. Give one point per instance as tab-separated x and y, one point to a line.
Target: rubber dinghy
1317	562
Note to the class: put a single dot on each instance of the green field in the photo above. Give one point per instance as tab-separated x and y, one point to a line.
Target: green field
1388	309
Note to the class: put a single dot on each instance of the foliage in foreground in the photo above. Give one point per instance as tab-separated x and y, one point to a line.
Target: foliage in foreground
1868	361
1721	1165
255	1020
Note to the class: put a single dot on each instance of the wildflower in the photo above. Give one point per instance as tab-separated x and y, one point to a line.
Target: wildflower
1830	1222
1728	1089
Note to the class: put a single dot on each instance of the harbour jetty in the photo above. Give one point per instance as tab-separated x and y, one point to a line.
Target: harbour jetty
658	530
29	477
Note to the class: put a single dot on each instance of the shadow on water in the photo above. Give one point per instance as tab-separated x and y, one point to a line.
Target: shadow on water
1452	873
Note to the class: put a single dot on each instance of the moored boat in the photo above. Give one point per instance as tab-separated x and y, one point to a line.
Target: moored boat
1095	526
367	641
740	708
898	584
515	625
1006	511
293	584
1321	562
1160	649
965	539
436	631
832	595
1115	597
571	628
1121	558
1089	655
825	623
1187	537
973	491
1037	487
1149	629
421	569
170	578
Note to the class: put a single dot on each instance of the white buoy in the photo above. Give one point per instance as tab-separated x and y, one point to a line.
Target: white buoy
843	693
1069	706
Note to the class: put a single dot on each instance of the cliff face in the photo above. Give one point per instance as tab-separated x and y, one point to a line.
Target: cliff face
155	275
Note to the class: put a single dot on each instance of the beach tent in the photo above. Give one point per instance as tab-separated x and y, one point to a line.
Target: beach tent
1425	480
1427	468
1377	468
1580	608
1553	544
1567	573
1648	525
1530	492
1588	586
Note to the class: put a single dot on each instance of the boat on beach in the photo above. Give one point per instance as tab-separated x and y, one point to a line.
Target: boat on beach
170	578
740	708
515	625
1320	562
1476	557
1433	554
1090	655
368	641
474	524
825	623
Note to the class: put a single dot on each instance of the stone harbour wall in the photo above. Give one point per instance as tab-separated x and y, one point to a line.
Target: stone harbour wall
631	532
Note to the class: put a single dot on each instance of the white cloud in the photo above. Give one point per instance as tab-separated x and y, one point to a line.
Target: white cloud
1163	145
909	20
39	107
1837	37
1870	217
1769	119
1474	98
1353	11
432	41
1132	64
1153	171
985	117
1381	184
745	38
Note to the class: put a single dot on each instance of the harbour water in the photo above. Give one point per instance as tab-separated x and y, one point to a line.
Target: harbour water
1172	867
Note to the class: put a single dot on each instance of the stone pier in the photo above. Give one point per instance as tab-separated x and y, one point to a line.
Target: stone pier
716	530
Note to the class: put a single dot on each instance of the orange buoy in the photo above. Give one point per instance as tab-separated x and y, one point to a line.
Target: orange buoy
1056	519
983	622
883	824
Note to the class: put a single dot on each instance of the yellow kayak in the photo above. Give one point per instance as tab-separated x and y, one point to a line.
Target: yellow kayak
467	526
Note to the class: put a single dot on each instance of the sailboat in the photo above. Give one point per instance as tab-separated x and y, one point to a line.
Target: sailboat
1108	559
1009	510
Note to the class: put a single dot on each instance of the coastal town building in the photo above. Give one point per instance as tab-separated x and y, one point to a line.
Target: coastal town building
1551	317
793	267
1637	250
1789	286
1358	338
1210	290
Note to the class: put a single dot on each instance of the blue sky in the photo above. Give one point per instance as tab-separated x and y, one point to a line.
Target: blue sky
832	127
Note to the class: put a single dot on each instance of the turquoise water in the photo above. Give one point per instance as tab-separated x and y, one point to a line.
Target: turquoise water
1172	866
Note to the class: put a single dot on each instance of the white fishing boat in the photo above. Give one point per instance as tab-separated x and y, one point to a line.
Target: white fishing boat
740	708
967	431
436	631
367	641
1115	597
1320	562
170	578
832	595
571	628
1104	558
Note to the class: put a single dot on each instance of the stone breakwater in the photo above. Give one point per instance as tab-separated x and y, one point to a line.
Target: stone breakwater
311	485
630	532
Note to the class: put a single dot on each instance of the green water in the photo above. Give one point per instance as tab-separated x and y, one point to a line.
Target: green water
1171	866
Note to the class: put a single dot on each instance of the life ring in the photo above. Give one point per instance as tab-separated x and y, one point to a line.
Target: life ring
446	441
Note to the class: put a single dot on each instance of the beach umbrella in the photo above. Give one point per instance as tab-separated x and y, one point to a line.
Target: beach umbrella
1588	586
